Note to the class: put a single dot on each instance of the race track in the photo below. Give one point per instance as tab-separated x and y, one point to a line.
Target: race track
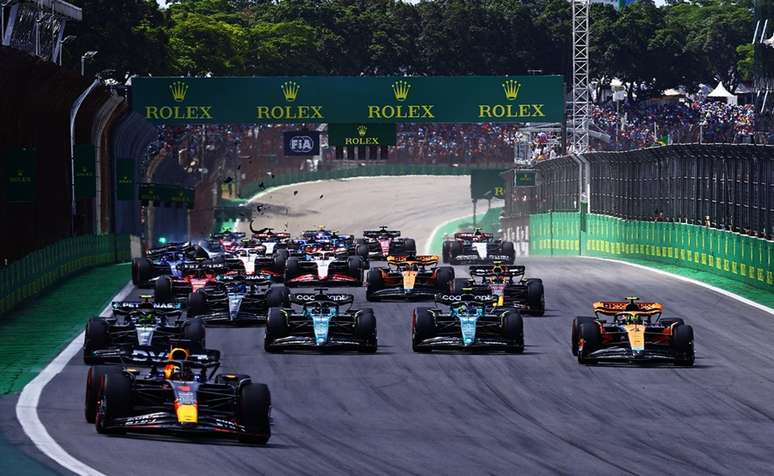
397	412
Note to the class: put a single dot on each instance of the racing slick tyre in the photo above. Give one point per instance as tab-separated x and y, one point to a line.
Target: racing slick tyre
409	247
254	412
459	285
446	251
355	266
536	299
97	337
197	304
291	268
114	401
280	258
278	296
455	249
513	330
576	323
93	383
365	330
423	328
362	251
508	250
444	278
163	291
374	282
276	328
682	343
589	332
142	271
194	331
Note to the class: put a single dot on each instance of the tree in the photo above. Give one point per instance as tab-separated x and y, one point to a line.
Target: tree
202	45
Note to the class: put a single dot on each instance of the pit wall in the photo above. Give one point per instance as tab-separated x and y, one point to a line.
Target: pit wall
742	258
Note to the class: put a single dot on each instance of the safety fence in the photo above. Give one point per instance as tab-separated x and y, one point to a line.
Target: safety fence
248	190
37	271
743	258
724	185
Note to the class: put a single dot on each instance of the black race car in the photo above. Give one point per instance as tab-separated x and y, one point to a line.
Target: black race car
382	243
636	334
477	247
471	323
164	261
236	300
192	277
138	329
321	323
178	396
508	283
411	278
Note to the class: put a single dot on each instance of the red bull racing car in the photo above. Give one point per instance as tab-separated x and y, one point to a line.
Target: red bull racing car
382	243
409	278
631	332
507	282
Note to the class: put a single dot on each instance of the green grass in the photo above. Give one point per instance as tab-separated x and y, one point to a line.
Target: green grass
35	332
489	222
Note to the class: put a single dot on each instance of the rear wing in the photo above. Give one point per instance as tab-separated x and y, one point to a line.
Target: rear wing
203	266
308	298
169	248
470	236
247	279
381	232
467	298
424	260
489	270
611	308
156	306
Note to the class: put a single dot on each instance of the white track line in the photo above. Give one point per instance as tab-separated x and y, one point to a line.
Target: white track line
429	242
729	294
27	405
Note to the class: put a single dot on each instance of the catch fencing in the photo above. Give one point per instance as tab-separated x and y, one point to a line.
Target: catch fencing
37	271
725	186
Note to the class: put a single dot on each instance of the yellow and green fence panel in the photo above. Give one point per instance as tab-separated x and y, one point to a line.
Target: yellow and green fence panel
30	275
740	257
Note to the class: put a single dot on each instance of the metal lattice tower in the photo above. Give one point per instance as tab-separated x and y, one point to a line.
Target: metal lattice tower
37	27
581	107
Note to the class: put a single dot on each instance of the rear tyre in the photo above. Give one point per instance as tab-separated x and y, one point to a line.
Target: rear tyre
194	331
163	291
278	296
446	251
374	281
409	247
365	330
97	337
444	278
197	304
424	328
455	249
93	383
355	267
509	251
576	323
589	332
291	268
536	297
362	251
115	401
459	285
142	271
682	343
276	328
254	413
280	260
513	330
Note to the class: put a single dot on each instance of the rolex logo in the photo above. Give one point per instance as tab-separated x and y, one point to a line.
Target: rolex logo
178	90
361	130
401	90
511	88
19	173
290	90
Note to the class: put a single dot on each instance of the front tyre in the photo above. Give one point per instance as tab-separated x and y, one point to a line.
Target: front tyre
276	328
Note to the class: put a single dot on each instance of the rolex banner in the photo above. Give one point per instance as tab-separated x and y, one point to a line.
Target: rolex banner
20	173
349	99
125	179
85	178
361	134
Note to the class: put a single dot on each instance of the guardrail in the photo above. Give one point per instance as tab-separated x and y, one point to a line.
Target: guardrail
731	186
248	190
743	258
37	271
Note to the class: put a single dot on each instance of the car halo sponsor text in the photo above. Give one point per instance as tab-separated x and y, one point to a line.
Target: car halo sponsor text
178	90
290	91
400	90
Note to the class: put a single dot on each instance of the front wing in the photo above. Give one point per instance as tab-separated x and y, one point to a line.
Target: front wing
166	422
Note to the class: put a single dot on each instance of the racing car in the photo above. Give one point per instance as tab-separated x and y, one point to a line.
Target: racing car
270	239
508	283
236	300
343	244
410	278
635	333
164	261
323	264
228	241
321	323
192	277
382	243
477	247
256	260
137	329
471	323
179	396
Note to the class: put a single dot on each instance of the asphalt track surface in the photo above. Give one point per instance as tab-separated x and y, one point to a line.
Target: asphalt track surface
397	412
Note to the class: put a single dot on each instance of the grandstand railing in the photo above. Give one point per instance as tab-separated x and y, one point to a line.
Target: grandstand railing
37	271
